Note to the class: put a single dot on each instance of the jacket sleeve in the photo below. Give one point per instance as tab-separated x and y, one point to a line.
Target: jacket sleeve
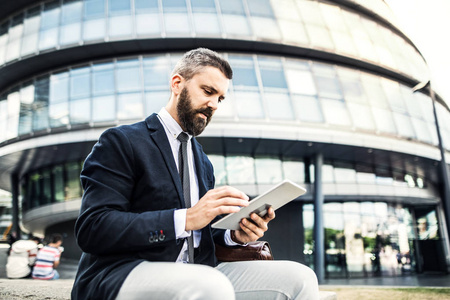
105	224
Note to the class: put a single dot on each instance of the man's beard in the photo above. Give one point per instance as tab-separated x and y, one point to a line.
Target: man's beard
187	114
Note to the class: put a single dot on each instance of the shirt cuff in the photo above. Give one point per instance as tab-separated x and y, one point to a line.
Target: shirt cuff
179	219
229	241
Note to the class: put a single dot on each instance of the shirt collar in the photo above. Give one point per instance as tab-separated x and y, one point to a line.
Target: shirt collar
170	124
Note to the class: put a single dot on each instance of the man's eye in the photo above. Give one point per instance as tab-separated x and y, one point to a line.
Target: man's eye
208	92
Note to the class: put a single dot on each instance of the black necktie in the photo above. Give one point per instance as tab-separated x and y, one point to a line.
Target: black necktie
184	174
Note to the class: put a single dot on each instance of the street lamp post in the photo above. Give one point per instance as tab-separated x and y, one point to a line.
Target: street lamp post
426	86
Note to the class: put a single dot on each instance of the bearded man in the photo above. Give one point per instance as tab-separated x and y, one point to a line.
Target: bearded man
144	224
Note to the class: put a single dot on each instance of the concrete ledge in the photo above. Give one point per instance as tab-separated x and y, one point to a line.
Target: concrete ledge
19	289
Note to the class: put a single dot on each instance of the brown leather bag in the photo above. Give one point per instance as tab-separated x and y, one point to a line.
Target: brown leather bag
259	250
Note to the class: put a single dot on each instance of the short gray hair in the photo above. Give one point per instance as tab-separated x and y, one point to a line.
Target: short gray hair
195	60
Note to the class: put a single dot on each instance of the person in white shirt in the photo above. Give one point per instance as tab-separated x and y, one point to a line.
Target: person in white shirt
22	258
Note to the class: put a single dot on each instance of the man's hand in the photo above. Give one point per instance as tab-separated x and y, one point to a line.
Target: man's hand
223	200
253	230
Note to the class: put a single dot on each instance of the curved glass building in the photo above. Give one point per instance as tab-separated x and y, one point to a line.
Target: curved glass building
321	95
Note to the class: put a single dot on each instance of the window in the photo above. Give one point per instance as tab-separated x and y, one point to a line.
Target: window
48	37
240	170
71	15
268	170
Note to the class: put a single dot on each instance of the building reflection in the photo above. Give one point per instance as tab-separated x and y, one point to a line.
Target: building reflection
364	239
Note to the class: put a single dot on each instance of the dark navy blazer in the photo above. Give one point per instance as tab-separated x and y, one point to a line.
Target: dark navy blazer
131	189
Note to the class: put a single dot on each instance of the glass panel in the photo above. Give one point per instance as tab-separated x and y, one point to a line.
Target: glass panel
293	32
13	50
103	109
272	75
128	76
220	173
226	107
336	112
154	101
319	36
59	87
260	8
404	125
307	109
327	174
130	106
206	23
374	91
361	116
13	115
3	119
240	170
59	114
71	23
103	79
119	7
156	73
49	28
3	41
384	120
327	83
40	116
266	28
80	83
345	175
422	131
58	183
236	25
394	96
146	5
300	81
294	171
244	75
148	23
80	111
94	9
268	170
175	17
351	86
249	105
176	23
46	183
94	29
234	7
72	188
120	26
279	106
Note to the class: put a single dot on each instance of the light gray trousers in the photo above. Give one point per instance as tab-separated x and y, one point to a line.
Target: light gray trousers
261	280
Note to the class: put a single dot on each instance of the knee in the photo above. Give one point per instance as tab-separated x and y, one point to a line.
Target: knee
211	284
302	273
305	281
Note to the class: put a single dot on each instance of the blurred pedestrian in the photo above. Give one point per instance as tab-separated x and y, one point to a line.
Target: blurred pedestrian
48	259
21	258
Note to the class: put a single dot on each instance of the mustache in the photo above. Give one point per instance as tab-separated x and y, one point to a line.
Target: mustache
208	112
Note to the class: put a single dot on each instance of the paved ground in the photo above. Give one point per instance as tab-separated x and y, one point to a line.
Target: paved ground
60	289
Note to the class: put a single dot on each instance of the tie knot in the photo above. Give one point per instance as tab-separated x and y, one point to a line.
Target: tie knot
183	137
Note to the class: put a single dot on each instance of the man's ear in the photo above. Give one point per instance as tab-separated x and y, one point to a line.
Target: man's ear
177	83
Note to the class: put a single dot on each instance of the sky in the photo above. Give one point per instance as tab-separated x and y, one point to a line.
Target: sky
427	24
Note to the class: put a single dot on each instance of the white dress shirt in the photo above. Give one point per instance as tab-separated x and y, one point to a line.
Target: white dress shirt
173	129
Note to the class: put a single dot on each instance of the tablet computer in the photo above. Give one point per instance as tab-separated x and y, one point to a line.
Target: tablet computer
276	197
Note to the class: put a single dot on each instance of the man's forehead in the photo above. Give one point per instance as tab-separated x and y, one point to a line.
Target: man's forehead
213	77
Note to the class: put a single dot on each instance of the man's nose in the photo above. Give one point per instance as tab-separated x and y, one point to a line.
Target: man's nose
213	104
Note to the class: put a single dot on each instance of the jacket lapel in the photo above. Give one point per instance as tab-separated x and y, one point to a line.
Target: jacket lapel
158	134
